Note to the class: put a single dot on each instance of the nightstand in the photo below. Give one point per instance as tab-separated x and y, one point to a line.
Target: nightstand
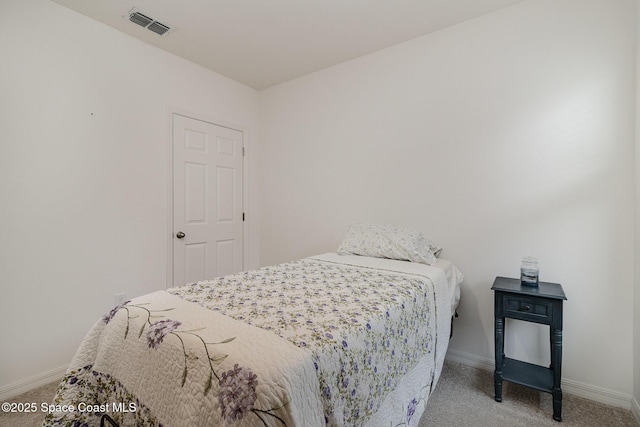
541	304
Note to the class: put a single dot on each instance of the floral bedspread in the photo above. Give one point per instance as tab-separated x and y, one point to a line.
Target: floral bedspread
160	360
365	327
319	341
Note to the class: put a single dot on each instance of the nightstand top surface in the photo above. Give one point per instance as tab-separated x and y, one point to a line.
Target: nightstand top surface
544	289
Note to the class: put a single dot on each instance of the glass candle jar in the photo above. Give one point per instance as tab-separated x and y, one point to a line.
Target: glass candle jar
529	271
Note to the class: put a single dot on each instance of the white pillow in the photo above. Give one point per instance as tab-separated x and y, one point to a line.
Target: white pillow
386	241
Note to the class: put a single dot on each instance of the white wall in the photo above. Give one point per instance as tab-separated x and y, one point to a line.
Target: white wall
505	136
84	135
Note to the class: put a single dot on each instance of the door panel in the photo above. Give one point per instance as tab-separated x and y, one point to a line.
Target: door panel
207	200
195	193
195	259
226	194
225	253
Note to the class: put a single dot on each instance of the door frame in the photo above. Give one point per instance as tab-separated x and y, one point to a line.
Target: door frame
245	190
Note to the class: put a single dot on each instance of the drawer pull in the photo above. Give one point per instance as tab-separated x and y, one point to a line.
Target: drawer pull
525	307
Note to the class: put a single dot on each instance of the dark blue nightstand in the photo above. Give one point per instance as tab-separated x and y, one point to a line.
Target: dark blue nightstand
541	304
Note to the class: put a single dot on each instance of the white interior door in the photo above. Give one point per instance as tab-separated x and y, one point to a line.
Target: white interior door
207	200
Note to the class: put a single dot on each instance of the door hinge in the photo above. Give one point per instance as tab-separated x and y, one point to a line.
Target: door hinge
243	216
243	153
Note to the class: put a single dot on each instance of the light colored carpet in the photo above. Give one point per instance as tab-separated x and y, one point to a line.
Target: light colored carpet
38	396
463	397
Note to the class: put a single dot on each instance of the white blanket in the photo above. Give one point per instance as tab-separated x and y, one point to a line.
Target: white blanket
146	373
330	340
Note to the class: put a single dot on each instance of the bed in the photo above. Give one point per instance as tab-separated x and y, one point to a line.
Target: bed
331	340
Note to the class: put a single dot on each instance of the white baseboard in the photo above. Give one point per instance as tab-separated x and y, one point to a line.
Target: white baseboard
469	359
577	388
28	384
635	410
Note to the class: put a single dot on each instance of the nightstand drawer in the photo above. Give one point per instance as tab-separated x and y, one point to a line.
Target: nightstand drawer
525	308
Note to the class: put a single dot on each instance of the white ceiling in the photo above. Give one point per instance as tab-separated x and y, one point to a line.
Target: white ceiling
265	42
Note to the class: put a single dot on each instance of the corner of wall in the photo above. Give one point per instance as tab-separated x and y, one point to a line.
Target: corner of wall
635	404
635	410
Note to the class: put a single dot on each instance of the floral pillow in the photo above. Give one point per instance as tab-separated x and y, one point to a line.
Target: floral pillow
386	241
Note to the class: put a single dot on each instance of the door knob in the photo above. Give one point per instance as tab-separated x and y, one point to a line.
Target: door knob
180	235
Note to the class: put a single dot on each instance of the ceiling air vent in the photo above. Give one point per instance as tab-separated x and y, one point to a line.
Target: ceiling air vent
150	24
158	28
140	19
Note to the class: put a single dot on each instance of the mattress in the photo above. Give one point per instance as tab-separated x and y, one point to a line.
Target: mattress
327	340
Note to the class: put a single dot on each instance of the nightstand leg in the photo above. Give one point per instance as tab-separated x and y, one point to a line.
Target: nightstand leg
499	351
557	405
556	363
